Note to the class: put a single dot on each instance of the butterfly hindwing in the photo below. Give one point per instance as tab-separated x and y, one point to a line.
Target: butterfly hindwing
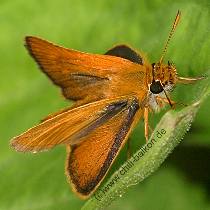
88	162
126	52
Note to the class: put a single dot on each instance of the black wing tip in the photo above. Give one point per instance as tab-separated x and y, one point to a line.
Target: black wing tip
27	44
29	38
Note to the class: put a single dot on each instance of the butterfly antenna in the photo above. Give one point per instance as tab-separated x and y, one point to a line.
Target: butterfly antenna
176	21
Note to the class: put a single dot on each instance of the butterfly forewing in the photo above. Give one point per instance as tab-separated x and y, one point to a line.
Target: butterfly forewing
81	76
69	126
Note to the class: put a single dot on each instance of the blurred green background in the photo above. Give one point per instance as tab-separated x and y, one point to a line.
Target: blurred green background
37	182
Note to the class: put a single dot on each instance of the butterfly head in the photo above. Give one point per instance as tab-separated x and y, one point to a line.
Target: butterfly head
163	78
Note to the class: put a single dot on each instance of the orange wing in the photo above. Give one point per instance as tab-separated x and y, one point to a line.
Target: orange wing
70	126
85	77
88	162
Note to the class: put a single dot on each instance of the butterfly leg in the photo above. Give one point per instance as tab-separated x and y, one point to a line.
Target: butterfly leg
146	123
173	103
166	100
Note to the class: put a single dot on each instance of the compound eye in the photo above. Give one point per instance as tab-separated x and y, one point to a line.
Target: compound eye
156	87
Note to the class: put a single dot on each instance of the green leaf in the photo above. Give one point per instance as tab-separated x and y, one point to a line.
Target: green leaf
166	136
38	182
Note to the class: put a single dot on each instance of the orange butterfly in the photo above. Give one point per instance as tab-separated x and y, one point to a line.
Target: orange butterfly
111	93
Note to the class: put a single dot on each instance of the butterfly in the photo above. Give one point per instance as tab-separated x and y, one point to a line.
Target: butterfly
111	93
